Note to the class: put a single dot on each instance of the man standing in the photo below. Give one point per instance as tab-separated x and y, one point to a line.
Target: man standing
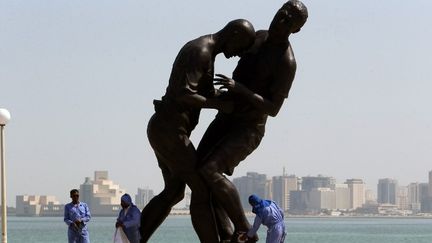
76	216
260	84
269	214
189	90
129	219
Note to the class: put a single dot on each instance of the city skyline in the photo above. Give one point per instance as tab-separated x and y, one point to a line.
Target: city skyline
297	195
368	186
79	79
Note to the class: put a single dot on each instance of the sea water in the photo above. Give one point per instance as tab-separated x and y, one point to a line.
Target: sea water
179	229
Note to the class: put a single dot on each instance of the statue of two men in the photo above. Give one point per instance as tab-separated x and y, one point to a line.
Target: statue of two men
259	85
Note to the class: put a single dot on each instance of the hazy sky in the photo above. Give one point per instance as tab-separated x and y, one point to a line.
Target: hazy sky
79	78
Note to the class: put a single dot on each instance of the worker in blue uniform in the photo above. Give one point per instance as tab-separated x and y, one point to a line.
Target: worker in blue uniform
76	216
129	219
269	214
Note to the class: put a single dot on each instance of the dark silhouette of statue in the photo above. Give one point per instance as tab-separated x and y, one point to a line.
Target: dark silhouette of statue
190	89
260	84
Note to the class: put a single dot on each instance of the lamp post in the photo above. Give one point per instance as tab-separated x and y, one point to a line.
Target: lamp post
4	118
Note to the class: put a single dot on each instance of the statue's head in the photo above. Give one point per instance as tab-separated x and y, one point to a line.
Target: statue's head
238	36
289	18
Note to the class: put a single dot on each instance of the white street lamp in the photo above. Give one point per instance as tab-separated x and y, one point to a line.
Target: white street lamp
4	118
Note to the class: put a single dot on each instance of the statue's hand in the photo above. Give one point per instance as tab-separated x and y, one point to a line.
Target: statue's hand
220	93
228	83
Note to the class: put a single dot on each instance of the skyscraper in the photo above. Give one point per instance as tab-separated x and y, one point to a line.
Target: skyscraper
252	183
402	197
343	196
387	191
370	196
143	196
357	192
322	198
314	182
281	187
424	197
430	184
414	202
427	202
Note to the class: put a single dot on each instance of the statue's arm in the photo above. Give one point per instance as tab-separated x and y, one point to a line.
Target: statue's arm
270	105
281	85
199	101
202	71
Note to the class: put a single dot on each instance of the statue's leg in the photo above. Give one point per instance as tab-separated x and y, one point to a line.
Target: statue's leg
226	154
227	196
155	212
223	222
162	142
211	137
176	152
201	210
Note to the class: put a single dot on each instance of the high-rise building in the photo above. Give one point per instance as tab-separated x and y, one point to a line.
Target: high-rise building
101	194
414	202
424	197
252	183
143	196
370	196
414	193
187	197
342	194
426	201
357	192
313	182
282	185
313	194
387	191
299	202
402	197
268	189
430	184
322	198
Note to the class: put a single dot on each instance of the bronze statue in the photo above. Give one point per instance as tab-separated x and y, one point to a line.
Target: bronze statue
190	89
260	84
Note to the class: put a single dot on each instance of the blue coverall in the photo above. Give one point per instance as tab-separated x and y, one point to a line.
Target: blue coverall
73	212
131	222
271	216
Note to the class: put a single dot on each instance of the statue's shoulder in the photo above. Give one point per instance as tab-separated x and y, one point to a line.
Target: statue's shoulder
195	51
261	35
260	38
290	55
